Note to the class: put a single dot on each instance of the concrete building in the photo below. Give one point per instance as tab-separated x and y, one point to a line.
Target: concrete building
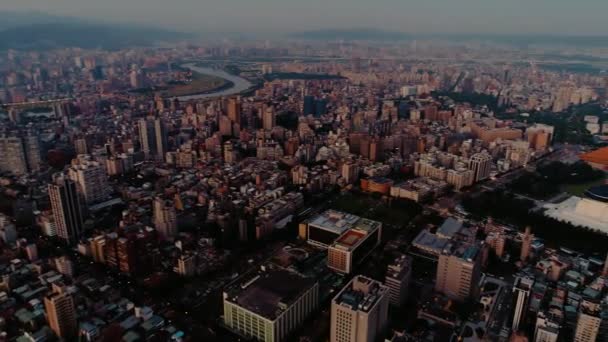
398	278
234	110
526	245
153	137
352	247
546	330
269	119
91	178
588	323
269	304
66	207
458	271
359	312
61	315
521	297
481	165
165	218
64	266
20	154
186	265
327	227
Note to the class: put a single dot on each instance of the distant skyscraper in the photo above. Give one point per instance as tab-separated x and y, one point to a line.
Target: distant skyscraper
481	165
521	297
61	315
359	312
153	137
165	219
234	110
269	119
66	207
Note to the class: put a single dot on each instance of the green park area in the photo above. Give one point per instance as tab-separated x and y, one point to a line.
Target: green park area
579	189
200	83
396	212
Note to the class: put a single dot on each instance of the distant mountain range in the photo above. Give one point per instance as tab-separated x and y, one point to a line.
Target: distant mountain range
35	30
352	34
511	39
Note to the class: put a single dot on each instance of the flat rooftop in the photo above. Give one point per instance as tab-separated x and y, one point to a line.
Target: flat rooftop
367	225
334	221
350	238
430	242
464	251
361	294
269	293
449	228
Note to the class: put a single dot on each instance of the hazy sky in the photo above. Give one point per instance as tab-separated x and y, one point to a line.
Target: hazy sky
415	16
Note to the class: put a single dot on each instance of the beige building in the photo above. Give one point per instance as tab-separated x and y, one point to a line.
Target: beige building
359	312
186	265
267	305
91	178
588	324
354	245
481	165
61	314
458	271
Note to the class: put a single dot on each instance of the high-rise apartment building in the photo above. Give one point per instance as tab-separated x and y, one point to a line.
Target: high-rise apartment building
526	244
186	265
126	254
153	137
20	154
91	178
234	110
165	218
546	330
398	278
359	311
61	314
459	271
521	298
66	207
588	323
481	165
65	266
269	119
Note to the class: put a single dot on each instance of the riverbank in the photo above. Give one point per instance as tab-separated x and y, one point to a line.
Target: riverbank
233	84
200	84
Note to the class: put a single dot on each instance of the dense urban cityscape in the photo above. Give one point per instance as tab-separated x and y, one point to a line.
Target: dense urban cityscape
302	189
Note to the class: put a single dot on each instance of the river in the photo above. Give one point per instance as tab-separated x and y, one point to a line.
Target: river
239	84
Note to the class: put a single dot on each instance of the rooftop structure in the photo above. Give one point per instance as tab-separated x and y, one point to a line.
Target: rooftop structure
359	312
449	228
581	212
268	293
270	297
